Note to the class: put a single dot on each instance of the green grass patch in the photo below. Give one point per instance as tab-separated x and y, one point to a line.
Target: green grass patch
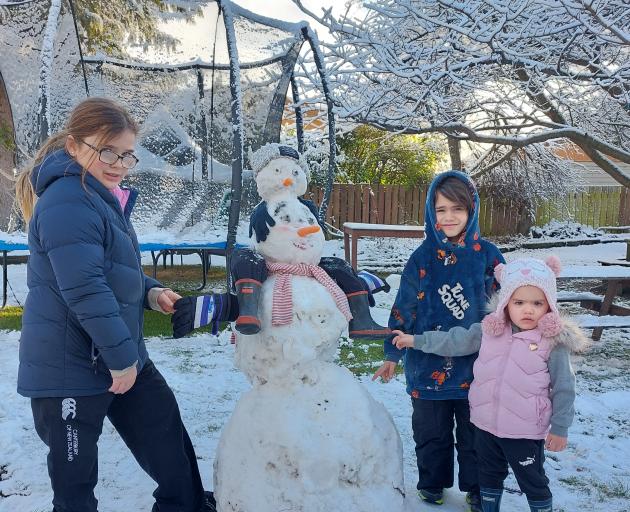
186	278
362	357
11	318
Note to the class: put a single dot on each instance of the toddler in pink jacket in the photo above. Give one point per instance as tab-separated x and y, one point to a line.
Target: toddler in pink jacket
522	395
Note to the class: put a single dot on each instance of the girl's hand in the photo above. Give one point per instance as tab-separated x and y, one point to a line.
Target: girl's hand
125	382
167	299
386	371
402	340
555	443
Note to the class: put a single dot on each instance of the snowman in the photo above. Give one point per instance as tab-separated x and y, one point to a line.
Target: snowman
307	437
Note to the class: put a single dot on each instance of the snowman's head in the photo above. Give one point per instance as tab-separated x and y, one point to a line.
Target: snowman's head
296	236
279	171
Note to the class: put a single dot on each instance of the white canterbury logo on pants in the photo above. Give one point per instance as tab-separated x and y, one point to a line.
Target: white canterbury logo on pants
68	407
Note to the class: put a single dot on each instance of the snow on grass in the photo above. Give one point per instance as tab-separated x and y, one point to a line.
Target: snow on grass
592	474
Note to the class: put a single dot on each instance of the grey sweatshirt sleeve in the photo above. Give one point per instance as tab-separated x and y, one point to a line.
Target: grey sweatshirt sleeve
456	342
562	390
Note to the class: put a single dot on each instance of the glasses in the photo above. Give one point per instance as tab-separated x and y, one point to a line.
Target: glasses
109	157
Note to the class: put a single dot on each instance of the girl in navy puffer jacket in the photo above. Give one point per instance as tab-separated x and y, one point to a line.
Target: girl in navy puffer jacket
82	353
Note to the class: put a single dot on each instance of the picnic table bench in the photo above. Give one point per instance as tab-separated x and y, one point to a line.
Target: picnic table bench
353	231
609	314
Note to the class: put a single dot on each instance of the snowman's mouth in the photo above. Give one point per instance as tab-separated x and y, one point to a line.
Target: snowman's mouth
300	245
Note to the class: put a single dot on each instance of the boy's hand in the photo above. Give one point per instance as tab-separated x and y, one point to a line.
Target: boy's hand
402	340
125	382
386	371
555	443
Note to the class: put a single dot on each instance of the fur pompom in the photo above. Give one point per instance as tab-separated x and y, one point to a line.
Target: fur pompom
550	325
498	272
494	323
553	262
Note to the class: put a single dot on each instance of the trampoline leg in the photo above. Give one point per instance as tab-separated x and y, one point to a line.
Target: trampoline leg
5	278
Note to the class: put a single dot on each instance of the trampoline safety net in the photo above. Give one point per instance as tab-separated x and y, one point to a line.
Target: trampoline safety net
172	71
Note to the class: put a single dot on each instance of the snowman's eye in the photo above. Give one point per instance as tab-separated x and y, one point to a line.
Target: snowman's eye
295	173
286	218
277	170
311	221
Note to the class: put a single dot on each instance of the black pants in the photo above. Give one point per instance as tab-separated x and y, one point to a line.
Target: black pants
247	264
433	422
148	420
526	457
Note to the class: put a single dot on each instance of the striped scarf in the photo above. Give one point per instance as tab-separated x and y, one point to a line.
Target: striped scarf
282	310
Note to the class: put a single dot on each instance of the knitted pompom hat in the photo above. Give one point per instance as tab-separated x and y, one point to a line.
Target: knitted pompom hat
262	156
526	272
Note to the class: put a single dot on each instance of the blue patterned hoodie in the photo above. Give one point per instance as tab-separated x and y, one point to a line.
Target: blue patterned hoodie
443	285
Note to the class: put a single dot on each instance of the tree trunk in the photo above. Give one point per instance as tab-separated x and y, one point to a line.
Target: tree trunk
454	150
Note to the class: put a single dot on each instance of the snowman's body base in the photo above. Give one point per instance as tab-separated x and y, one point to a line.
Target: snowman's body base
307	437
309	448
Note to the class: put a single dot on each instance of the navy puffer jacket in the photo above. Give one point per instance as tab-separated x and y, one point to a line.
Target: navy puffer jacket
443	285
84	311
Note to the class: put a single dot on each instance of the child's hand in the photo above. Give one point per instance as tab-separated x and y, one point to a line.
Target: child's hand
555	443
386	371
402	340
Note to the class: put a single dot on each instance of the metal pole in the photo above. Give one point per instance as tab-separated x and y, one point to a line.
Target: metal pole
203	128
299	119
237	136
76	31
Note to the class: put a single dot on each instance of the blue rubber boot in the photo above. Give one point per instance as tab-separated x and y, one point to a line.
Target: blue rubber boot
491	499
540	506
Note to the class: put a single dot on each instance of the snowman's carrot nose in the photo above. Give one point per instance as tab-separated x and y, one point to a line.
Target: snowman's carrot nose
287	182
308	230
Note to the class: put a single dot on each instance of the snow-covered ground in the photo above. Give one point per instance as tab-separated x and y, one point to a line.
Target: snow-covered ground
593	474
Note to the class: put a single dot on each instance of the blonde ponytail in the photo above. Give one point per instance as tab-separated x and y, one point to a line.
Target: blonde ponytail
24	192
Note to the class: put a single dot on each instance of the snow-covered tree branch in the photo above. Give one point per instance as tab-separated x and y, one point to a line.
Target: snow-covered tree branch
506	72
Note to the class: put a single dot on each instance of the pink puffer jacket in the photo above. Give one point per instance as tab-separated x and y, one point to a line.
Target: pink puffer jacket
509	396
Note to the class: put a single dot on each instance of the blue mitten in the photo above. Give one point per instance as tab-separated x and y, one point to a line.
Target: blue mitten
373	284
194	312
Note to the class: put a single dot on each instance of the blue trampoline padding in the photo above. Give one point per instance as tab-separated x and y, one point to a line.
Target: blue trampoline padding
12	246
149	246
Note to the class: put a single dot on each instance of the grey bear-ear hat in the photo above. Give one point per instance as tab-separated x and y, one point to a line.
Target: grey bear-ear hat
271	151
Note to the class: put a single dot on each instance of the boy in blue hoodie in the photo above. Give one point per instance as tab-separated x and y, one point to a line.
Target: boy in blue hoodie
446	283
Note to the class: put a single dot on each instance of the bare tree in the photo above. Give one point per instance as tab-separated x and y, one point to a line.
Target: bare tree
510	73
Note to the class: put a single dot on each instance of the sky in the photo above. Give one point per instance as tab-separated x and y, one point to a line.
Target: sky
285	9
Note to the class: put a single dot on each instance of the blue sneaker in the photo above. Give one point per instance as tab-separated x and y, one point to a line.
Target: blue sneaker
434	496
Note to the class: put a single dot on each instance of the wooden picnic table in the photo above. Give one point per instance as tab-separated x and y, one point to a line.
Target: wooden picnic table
352	231
613	275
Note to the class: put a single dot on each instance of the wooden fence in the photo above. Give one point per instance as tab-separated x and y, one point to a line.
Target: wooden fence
396	204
